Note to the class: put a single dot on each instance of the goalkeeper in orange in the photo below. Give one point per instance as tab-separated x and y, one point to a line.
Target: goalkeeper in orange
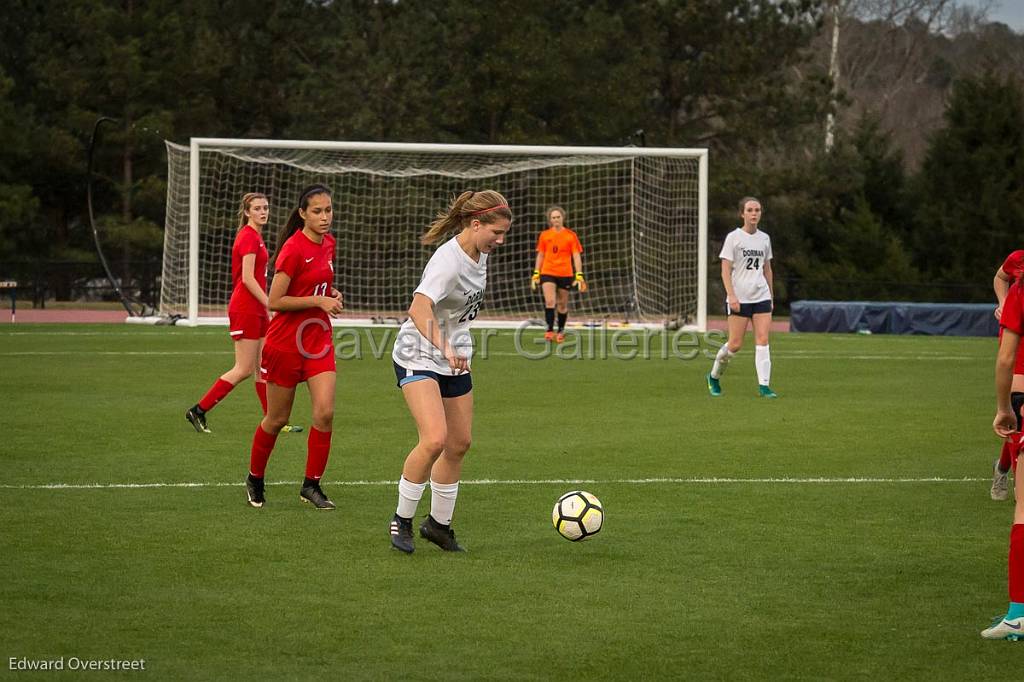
558	268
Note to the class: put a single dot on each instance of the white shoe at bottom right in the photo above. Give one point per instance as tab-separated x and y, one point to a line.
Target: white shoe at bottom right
1005	629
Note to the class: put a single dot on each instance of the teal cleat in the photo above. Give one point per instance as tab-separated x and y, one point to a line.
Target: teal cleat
714	388
1002	628
766	392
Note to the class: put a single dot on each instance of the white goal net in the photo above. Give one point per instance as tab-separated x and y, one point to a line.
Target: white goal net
640	213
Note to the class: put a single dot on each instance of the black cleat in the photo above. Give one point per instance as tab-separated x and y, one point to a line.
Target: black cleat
441	535
197	418
254	491
314	494
401	534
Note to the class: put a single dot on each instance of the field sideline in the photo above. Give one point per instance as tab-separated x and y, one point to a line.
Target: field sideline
843	531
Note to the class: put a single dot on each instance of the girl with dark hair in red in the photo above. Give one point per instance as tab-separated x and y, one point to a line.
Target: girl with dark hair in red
299	346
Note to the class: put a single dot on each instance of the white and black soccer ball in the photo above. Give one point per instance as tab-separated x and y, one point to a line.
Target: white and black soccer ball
577	515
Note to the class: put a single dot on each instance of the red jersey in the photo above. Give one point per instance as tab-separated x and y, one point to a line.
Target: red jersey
558	246
1014	265
247	241
311	269
1012	314
1012	317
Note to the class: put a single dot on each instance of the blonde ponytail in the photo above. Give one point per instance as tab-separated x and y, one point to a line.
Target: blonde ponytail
487	206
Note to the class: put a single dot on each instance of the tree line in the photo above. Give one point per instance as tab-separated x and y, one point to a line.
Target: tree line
912	201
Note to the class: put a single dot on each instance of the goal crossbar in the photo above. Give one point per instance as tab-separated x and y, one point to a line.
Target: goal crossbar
438	148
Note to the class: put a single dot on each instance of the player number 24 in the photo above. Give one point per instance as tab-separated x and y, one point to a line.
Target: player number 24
753	263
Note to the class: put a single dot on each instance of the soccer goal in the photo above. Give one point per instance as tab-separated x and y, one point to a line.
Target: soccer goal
640	212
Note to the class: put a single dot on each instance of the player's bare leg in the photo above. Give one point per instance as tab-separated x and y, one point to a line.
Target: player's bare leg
737	326
1000	488
246	355
423	398
446	473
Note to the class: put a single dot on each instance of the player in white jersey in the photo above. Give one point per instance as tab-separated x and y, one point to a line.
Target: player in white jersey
432	361
747	275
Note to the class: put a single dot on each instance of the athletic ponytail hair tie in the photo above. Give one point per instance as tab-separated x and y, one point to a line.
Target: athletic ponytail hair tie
487	210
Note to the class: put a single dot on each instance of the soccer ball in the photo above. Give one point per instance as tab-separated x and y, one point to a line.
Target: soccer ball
577	515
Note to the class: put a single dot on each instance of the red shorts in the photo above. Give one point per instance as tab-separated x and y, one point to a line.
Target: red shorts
247	326
286	368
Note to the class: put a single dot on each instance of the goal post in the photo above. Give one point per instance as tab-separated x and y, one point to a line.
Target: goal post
640	212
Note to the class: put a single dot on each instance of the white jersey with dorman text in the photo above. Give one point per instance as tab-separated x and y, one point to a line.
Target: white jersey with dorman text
748	253
455	283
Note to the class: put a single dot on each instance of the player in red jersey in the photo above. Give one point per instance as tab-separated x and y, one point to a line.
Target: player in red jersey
298	347
558	257
1010	271
1007	424
247	311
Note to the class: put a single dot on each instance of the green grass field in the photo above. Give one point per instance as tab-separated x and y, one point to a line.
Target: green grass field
744	538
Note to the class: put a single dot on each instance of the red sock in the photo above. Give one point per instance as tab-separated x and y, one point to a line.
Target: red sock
1004	456
261	393
215	395
1016	562
319	444
262	446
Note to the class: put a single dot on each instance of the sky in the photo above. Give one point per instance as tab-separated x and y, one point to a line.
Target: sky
1009	12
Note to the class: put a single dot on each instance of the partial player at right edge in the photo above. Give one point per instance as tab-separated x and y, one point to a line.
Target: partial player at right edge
1007	425
1007	274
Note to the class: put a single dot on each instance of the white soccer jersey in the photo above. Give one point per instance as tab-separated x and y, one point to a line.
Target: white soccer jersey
748	253
455	283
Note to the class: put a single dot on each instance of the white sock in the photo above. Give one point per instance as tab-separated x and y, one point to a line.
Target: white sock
409	495
721	360
442	501
763	364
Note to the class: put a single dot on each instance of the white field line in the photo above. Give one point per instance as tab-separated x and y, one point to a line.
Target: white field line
111	332
816	351
809	355
514	482
114	330
792	355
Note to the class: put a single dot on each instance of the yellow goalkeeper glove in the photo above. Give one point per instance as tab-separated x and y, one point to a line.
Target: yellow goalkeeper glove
580	283
534	280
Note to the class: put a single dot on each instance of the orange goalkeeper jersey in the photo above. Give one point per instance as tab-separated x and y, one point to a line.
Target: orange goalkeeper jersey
558	247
